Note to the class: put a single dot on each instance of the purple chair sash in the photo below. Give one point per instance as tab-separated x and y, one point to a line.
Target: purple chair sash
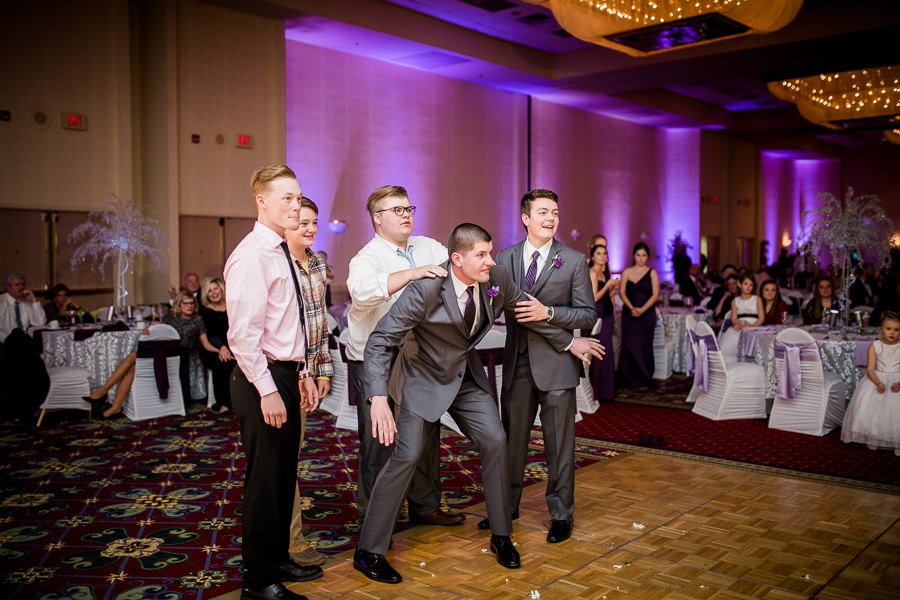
690	359
701	375
792	353
489	358
726	325
159	351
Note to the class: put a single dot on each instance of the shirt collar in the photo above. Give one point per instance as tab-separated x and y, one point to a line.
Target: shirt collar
459	287
392	246
268	234
544	250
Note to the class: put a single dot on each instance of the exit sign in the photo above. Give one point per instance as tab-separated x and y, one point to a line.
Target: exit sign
73	121
242	140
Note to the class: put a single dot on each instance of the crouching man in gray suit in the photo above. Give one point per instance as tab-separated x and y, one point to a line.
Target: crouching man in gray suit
437	371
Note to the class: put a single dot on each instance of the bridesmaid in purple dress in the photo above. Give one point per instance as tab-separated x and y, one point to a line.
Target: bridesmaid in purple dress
603	372
639	292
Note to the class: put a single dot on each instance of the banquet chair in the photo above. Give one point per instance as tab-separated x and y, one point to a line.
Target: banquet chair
728	339
676	299
145	400
338	399
690	325
68	387
663	350
726	391
808	400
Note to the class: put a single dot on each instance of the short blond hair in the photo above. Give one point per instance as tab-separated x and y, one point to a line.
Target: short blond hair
204	289
386	191
263	176
181	297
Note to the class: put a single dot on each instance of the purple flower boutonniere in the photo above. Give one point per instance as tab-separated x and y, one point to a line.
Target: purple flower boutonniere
556	261
493	292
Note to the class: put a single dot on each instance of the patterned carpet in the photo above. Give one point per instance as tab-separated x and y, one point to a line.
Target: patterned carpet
671	393
116	510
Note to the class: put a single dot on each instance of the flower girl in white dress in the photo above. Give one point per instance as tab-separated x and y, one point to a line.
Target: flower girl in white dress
746	311
873	417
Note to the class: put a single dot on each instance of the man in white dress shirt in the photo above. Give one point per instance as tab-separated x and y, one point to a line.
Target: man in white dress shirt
378	274
19	309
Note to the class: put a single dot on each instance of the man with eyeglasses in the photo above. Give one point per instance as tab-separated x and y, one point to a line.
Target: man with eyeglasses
378	274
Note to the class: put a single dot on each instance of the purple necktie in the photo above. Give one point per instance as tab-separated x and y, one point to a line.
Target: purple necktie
470	310
531	275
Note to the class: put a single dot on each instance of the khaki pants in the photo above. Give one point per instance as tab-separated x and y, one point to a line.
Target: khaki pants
298	544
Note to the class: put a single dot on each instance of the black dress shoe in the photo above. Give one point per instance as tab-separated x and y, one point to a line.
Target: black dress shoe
560	529
276	591
291	571
485	523
375	567
507	555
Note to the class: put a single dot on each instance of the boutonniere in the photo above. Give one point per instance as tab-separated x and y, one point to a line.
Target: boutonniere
493	292
556	261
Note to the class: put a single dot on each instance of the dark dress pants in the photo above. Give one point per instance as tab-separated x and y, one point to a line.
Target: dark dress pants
184	376
518	409
221	376
271	475
424	494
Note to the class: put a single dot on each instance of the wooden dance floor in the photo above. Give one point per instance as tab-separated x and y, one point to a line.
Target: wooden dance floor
650	527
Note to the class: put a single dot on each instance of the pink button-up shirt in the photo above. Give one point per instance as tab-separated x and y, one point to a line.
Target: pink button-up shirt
263	316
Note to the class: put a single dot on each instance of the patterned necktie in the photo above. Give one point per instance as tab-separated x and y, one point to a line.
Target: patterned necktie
19	317
408	256
470	310
531	275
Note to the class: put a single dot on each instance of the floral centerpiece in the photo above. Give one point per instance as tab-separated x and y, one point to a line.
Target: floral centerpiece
844	228
118	234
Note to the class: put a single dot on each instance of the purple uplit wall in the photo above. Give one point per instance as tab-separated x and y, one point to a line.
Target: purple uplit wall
355	124
679	155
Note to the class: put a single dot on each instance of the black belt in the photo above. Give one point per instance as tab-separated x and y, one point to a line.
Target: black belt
741	316
293	365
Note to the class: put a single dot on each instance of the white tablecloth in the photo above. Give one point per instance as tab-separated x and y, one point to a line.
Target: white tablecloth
98	354
673	319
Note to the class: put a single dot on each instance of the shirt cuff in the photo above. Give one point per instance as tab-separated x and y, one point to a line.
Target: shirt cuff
265	385
570	344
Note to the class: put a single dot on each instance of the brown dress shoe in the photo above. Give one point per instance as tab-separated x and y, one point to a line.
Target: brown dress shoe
438	517
308	558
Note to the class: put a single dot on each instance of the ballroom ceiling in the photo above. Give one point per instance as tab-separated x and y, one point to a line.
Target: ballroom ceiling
517	46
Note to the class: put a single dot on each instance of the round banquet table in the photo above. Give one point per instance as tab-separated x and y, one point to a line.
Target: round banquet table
673	319
844	354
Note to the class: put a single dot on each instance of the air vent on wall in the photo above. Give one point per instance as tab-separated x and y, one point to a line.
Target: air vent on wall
220	140
40	118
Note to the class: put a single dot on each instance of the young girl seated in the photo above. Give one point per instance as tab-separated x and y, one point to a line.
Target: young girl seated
746	311
873	417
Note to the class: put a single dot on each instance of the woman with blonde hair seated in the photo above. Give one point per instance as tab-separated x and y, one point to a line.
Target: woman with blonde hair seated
221	362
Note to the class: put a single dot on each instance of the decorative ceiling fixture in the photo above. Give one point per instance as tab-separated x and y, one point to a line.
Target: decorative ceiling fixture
860	99
641	27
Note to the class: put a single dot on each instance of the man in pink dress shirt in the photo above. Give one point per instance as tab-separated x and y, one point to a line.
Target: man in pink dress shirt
268	337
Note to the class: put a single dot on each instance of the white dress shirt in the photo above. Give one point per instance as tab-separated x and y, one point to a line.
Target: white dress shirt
262	304
31	313
368	283
541	261
462	296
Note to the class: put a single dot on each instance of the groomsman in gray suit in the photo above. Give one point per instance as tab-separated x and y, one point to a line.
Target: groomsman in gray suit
536	373
438	370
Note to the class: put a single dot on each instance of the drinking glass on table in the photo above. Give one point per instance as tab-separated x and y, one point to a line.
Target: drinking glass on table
80	315
784	317
688	301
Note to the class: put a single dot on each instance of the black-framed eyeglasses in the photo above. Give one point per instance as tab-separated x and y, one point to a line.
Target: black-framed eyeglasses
400	210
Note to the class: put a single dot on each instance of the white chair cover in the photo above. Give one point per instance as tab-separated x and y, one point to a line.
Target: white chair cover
734	391
728	340
68	386
663	351
819	403
337	402
690	324
144	402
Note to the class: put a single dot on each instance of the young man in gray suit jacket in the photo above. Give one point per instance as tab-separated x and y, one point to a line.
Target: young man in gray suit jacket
534	372
437	371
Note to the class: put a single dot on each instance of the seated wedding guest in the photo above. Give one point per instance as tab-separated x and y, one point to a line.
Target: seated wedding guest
184	318
773	306
792	280
215	319
693	285
721	277
124	376
60	303
821	303
864	291
191	285
730	291
639	291
603	372
887	303
19	309
746	311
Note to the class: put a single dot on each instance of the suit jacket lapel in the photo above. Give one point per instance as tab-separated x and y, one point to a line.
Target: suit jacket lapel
448	295
546	272
487	314
518	269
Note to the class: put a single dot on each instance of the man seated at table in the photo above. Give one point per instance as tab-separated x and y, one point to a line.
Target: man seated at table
864	291
693	285
60	303
793	280
19	309
191	285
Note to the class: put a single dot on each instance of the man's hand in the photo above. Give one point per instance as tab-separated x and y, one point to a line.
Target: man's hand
172	292
224	354
324	386
383	426
273	410
585	347
531	310
427	271
28	295
309	395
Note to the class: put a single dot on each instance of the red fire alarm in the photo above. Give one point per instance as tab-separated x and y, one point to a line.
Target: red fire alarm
243	140
73	121
195	138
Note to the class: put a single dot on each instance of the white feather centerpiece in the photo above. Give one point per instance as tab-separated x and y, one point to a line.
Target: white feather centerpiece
844	228
119	234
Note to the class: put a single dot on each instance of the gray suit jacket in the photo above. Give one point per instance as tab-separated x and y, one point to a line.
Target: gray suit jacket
429	370
568	290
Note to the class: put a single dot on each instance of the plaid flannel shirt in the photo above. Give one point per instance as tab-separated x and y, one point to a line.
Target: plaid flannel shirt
312	285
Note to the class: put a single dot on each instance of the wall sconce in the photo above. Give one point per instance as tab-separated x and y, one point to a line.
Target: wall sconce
645	237
786	241
575	235
337	226
895	239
